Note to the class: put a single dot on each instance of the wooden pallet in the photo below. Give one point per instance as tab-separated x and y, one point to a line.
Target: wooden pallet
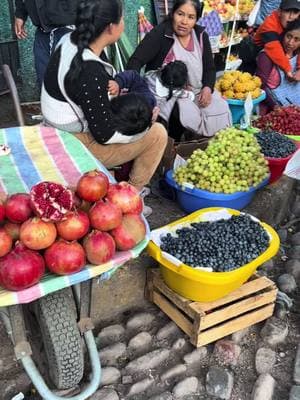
204	323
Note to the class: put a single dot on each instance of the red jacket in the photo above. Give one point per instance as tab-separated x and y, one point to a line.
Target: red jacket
268	36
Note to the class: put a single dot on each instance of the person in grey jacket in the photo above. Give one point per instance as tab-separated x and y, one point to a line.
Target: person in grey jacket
53	18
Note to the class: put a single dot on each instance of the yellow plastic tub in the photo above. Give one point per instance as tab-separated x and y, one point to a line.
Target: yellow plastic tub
204	286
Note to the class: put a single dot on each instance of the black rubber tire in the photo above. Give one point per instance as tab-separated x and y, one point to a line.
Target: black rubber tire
61	338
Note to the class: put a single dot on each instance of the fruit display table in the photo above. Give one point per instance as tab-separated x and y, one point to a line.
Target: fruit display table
36	153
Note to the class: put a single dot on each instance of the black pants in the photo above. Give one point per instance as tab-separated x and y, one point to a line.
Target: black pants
174	127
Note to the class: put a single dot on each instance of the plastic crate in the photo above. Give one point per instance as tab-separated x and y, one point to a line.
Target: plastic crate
201	285
192	199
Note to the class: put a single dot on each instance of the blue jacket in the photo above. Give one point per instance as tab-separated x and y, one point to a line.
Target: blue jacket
132	81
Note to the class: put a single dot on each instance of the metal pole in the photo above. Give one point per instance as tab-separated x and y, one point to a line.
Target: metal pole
13	89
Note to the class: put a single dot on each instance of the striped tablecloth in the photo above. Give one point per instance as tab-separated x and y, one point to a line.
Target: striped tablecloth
37	154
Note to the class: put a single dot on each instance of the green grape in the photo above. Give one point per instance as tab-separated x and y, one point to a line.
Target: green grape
232	162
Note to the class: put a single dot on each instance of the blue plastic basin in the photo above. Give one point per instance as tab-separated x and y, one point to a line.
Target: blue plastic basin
237	107
191	200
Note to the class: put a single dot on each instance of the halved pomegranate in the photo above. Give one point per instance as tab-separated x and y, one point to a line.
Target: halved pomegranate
51	201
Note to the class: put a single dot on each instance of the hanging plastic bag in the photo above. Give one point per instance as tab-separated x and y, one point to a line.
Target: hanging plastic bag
248	107
212	23
253	14
292	168
144	26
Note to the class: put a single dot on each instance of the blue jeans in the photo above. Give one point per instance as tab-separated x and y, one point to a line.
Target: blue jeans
42	49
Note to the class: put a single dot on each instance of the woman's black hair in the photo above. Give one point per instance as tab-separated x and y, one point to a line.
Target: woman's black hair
196	3
93	16
292	26
131	112
174	76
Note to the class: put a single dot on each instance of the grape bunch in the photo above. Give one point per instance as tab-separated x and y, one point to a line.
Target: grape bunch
285	120
232	162
275	145
222	245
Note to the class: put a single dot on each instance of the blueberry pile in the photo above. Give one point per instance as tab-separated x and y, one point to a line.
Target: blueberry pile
222	245
275	145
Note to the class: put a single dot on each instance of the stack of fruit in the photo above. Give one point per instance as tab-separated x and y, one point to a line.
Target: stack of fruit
278	150
225	9
237	85
245	7
243	32
221	246
285	120
232	162
275	145
56	227
233	57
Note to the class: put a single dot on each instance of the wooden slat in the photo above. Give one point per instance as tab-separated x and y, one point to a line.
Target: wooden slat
179	301
196	329
245	290
238	308
176	315
213	334
148	292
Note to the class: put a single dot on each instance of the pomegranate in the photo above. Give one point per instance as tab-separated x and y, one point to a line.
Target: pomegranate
131	231
99	247
13	230
51	201
2	211
21	268
65	258
105	215
5	242
85	206
18	208
77	202
126	197
37	234
92	186
75	226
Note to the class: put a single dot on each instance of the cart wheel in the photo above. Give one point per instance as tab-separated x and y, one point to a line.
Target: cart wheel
61	338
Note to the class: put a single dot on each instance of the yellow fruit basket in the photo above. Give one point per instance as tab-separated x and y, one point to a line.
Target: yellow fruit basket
198	284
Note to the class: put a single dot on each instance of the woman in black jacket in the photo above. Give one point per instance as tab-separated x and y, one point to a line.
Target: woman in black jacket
76	96
180	38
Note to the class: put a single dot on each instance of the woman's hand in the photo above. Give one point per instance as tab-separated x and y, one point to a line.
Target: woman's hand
155	113
290	77
20	29
113	88
204	97
297	75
